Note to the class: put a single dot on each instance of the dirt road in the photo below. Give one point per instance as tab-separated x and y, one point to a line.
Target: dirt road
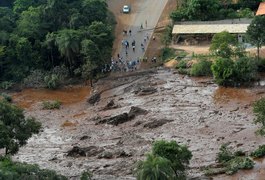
144	13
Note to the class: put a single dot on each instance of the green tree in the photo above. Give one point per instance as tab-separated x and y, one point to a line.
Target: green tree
178	155
22	5
29	23
155	168
223	71
7	19
68	42
94	10
15	129
222	44
256	32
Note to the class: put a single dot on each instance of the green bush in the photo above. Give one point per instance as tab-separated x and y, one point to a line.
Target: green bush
51	104
229	73
168	53
35	79
260	152
202	68
51	81
225	154
6	97
259	111
86	176
6	85
182	64
21	171
238	163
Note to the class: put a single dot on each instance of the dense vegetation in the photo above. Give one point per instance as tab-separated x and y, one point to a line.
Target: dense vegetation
168	160
15	129
206	10
40	35
20	171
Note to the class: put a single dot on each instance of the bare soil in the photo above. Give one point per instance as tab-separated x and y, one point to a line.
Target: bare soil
191	111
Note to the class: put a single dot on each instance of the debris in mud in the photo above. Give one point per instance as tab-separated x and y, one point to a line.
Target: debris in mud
111	105
94	98
114	154
136	111
124	117
145	91
156	123
115	120
84	138
86	151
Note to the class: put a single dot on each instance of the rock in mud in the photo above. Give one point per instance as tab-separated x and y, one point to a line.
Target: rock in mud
135	111
146	91
94	98
85	151
115	120
110	105
156	123
84	138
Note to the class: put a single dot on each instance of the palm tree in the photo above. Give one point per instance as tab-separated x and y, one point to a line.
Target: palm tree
68	42
155	168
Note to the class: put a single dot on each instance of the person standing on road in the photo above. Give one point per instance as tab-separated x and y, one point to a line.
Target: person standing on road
145	23
141	26
130	32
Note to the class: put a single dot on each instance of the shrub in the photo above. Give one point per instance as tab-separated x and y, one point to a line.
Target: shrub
202	68
35	79
182	64
238	163
229	73
6	85
51	81
168	53
86	176
259	111
6	97
225	154
260	152
21	171
51	104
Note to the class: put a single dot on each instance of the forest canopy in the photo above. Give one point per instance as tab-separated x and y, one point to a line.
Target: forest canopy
43	34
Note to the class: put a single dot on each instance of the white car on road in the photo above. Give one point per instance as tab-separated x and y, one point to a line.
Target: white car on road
126	9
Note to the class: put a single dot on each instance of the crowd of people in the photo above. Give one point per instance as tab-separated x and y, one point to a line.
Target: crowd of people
131	53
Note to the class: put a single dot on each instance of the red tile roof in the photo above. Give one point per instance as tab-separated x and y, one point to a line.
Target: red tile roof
261	10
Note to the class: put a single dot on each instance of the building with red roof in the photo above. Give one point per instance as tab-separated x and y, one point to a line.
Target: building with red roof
261	9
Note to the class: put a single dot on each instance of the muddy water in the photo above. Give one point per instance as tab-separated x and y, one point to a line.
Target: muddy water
66	96
204	117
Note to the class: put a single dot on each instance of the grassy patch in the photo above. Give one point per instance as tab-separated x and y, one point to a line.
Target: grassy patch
238	163
6	97
51	104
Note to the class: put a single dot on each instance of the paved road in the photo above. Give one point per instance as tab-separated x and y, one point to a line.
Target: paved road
146	11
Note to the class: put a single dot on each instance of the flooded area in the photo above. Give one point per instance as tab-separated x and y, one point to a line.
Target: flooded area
191	111
66	96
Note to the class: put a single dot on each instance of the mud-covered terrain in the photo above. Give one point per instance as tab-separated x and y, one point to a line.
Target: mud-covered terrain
133	110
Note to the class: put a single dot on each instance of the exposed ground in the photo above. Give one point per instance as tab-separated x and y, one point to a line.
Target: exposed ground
192	111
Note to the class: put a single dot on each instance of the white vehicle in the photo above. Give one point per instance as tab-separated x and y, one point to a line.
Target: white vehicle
126	9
